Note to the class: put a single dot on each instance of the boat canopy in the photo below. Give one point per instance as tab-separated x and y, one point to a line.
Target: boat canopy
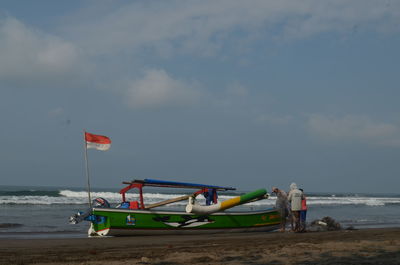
139	184
174	184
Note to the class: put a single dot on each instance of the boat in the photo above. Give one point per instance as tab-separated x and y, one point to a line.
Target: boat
138	218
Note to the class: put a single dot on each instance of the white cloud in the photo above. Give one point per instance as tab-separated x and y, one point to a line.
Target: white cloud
205	27
354	128
273	119
237	90
157	89
56	112
28	55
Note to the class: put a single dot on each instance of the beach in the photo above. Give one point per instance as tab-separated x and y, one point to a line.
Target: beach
44	236
365	246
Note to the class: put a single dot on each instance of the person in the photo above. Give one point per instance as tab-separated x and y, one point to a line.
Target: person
294	198
281	205
290	216
303	212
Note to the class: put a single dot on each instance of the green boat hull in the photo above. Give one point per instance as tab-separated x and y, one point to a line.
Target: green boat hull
124	222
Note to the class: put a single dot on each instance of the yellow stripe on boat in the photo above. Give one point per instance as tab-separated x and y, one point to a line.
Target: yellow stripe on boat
199	209
230	203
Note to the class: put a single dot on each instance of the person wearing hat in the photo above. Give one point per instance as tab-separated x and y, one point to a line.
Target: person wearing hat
295	197
281	205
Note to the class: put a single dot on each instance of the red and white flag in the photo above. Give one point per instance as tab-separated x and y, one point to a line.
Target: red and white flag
98	142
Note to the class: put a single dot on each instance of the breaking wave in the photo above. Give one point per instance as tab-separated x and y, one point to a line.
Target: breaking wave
66	196
50	193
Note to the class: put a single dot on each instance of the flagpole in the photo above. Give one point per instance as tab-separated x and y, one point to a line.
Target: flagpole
87	169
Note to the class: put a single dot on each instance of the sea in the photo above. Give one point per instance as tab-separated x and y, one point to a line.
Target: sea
43	212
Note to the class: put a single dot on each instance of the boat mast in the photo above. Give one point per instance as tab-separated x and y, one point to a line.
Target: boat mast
87	169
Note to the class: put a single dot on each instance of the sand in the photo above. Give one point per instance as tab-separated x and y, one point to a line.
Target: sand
368	246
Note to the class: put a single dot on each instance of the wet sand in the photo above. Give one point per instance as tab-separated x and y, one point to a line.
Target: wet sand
369	246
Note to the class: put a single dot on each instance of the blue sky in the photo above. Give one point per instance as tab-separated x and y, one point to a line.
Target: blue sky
241	93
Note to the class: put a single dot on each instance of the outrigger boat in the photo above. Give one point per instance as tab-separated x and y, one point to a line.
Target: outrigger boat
138	218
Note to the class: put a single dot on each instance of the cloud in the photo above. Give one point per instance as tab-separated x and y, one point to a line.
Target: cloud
28	55
234	96
57	112
157	89
273	119
354	128
237	90
207	27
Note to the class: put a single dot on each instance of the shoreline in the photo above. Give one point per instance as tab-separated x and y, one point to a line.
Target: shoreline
25	235
335	247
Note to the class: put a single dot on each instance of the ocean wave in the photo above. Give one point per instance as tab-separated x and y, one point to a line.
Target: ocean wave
10	225
50	193
66	196
84	194
39	200
368	201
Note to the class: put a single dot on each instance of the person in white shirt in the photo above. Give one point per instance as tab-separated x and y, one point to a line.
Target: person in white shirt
294	197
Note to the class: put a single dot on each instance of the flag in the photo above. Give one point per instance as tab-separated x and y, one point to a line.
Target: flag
98	142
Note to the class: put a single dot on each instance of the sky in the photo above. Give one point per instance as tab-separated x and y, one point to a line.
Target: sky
247	94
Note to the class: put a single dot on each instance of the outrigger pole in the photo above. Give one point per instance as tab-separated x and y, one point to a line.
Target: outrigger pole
87	169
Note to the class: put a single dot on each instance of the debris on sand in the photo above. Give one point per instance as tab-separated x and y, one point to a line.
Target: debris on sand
325	224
